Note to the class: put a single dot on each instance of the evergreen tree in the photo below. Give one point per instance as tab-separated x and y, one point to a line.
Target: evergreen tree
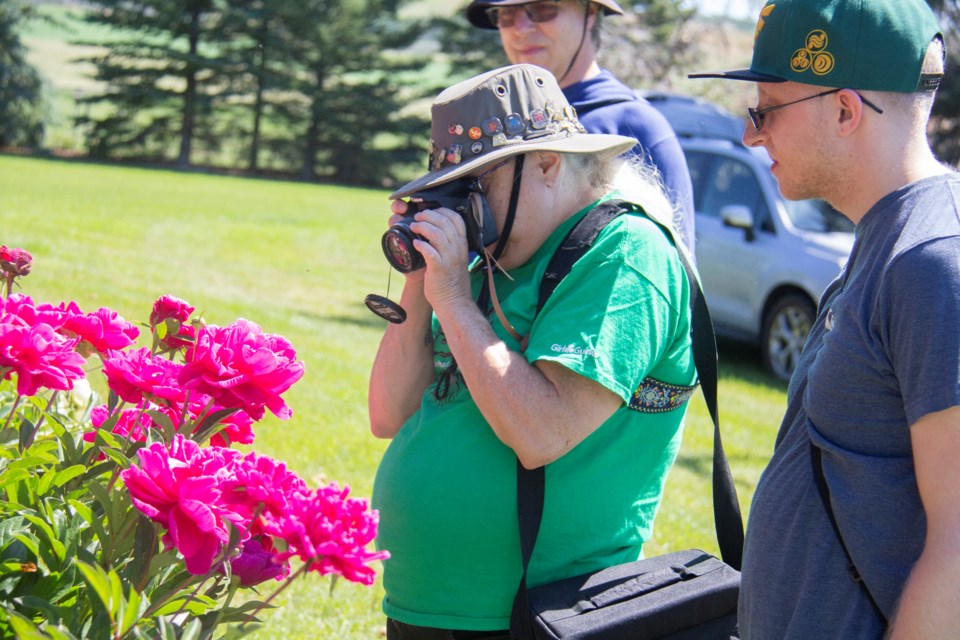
20	86
160	72
355	78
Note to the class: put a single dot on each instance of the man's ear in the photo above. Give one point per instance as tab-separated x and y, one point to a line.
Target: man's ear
851	111
548	163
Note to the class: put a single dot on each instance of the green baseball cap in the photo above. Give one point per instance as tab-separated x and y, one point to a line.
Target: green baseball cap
876	45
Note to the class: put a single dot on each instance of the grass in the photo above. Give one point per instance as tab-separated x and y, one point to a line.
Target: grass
298	260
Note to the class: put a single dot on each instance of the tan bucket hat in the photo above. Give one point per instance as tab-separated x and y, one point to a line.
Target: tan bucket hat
477	10
502	113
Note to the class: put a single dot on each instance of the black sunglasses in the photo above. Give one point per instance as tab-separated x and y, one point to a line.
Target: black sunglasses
540	11
757	115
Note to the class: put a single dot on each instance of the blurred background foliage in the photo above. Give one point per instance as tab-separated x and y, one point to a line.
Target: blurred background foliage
332	90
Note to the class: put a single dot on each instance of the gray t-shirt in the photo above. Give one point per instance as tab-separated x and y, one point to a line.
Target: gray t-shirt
883	352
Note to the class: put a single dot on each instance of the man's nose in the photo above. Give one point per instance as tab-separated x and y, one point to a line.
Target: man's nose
751	135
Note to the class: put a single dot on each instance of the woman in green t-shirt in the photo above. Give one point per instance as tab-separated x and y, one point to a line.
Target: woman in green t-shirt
593	386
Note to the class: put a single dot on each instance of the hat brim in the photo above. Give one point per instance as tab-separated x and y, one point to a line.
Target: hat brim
602	143
477	10
737	74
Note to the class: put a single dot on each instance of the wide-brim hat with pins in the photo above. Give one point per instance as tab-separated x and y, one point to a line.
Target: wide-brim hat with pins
477	10
875	45
503	113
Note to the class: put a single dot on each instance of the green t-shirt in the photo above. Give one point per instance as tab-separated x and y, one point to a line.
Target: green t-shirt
446	487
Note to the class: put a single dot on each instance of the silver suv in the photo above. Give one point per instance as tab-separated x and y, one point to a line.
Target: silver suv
764	261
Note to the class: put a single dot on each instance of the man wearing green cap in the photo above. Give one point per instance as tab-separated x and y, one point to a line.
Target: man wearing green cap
854	529
563	36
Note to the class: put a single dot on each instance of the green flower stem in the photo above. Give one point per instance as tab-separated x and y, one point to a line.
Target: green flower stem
43	416
156	606
13	410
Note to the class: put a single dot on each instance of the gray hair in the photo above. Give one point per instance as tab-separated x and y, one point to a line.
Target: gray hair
637	181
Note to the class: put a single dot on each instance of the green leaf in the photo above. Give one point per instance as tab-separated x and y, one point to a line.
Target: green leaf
97	579
9	435
31	542
46	479
13	476
59	633
41	605
242	612
192	630
27	429
59	550
118	457
96	523
23	628
66	475
107	439
130	611
145	547
195	604
66	439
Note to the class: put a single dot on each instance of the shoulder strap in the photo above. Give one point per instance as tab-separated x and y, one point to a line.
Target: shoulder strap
531	483
816	458
575	244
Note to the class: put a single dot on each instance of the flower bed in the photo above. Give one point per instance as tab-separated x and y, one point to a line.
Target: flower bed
135	518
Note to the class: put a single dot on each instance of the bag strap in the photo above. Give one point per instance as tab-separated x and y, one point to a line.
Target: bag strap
816	458
531	483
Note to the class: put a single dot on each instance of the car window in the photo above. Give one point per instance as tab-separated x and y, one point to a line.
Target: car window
733	182
698	164
817	215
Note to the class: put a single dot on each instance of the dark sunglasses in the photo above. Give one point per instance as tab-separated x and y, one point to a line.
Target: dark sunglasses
757	116
541	11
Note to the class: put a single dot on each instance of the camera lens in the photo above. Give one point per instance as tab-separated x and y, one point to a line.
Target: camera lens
398	248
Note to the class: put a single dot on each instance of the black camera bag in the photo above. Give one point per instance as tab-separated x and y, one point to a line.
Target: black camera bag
686	595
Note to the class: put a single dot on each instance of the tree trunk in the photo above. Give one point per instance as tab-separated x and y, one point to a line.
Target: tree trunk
311	146
190	94
261	79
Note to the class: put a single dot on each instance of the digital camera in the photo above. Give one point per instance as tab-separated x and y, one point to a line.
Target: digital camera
462	196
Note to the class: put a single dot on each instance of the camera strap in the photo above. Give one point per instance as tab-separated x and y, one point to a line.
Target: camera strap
511	210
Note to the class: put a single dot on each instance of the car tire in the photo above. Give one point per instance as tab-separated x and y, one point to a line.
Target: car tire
786	326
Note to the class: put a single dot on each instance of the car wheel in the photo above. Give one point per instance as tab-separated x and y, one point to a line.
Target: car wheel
785	330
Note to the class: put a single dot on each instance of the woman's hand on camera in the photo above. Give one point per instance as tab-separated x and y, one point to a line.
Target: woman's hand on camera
446	279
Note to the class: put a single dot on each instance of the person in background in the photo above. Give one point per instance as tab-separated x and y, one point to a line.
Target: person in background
594	386
563	36
854	530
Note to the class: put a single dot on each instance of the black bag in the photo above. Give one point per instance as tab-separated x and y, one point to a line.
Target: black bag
686	595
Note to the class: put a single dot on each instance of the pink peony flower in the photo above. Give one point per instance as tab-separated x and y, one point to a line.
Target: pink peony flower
237	429
256	564
15	262
237	426
263	488
197	493
39	356
239	366
172	313
131	424
134	375
103	329
170	307
333	532
179	487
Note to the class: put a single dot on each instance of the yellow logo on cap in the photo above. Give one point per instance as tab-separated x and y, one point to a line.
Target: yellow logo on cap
764	13
814	55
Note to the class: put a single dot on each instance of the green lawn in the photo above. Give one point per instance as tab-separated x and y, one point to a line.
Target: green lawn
298	260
